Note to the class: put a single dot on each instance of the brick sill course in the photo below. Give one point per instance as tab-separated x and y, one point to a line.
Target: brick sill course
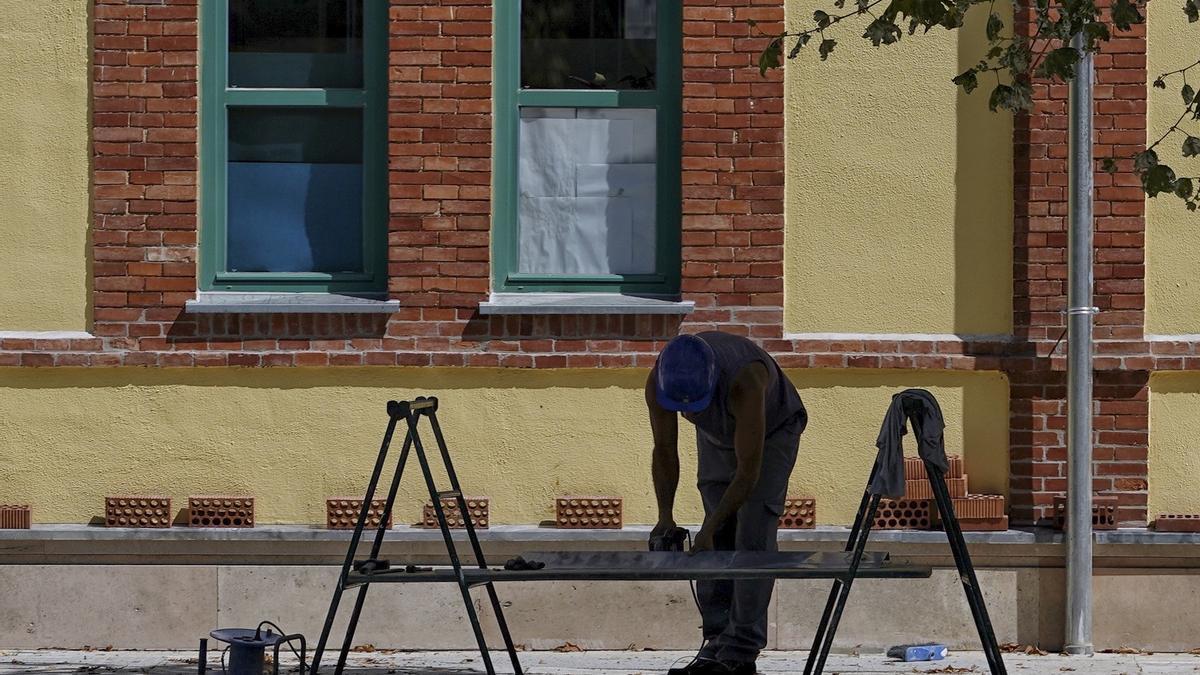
220	302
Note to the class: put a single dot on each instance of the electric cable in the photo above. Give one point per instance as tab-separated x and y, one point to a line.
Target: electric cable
289	642
695	599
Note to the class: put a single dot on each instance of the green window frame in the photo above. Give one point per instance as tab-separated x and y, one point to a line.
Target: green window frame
217	98
666	99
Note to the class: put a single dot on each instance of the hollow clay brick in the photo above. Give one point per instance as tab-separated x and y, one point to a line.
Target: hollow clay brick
14	516
592	513
478	506
974	507
903	514
799	513
220	511
137	511
341	513
983	524
1104	512
921	489
1177	522
914	467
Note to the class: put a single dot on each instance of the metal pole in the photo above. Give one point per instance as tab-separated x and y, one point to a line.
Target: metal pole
1078	639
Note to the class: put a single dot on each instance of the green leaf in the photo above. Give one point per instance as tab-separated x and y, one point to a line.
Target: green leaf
1096	31
1158	179
1192	10
1124	14
1001	98
881	31
770	57
994	24
1191	146
821	18
1188	94
1160	83
801	40
1108	165
967	80
826	48
1145	160
1059	63
1184	188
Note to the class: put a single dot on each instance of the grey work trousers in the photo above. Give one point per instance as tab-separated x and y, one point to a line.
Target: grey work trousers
734	611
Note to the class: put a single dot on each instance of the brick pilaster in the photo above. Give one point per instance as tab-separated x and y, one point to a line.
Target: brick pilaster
1040	290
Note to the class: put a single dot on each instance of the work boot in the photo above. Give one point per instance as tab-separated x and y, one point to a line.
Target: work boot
741	668
701	666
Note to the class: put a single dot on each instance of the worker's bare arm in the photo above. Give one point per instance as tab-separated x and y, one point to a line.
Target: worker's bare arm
665	461
747	404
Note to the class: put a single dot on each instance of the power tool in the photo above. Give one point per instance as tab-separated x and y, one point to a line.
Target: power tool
671	540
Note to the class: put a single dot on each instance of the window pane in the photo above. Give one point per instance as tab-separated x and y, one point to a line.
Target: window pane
585	44
295	190
296	43
586	186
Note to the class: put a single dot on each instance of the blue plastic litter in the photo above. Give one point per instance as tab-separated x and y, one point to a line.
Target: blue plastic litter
925	652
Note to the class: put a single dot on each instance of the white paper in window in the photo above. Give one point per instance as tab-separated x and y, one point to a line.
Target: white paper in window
586	202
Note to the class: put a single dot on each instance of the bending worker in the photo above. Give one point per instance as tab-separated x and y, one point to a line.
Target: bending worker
748	420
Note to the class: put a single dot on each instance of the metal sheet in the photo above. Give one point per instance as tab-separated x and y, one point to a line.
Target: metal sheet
706	560
662	566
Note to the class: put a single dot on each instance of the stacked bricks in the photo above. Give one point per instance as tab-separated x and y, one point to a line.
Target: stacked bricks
904	514
592	513
1104	512
1174	522
799	513
479	508
1038	381
137	511
974	513
916	479
221	511
341	513
980	513
15	517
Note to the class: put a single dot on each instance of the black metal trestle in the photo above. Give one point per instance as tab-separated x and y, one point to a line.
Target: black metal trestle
827	628
410	413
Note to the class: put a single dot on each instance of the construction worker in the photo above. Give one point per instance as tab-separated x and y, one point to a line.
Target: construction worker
748	420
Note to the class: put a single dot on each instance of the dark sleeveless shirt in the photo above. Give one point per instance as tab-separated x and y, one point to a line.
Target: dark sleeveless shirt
733	353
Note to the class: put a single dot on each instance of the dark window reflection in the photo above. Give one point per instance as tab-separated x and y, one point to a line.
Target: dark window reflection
295	190
296	43
588	44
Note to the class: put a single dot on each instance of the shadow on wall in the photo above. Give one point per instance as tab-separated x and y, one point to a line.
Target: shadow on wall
983	198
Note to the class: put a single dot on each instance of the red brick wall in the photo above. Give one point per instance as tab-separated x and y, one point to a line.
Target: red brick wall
1038	408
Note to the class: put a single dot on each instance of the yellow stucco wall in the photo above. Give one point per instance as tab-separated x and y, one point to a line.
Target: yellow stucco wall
292	437
44	164
1172	232
899	189
1174	443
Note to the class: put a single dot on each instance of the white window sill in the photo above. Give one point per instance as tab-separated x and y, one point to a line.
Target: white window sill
221	302
582	303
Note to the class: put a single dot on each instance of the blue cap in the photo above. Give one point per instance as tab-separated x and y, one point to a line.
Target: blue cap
686	375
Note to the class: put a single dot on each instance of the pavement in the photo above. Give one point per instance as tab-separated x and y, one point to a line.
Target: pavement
45	662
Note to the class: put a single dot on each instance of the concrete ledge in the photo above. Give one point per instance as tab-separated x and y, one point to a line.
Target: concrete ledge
581	303
217	302
530	534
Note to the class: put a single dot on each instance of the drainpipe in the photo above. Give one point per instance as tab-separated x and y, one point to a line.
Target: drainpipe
1078	639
